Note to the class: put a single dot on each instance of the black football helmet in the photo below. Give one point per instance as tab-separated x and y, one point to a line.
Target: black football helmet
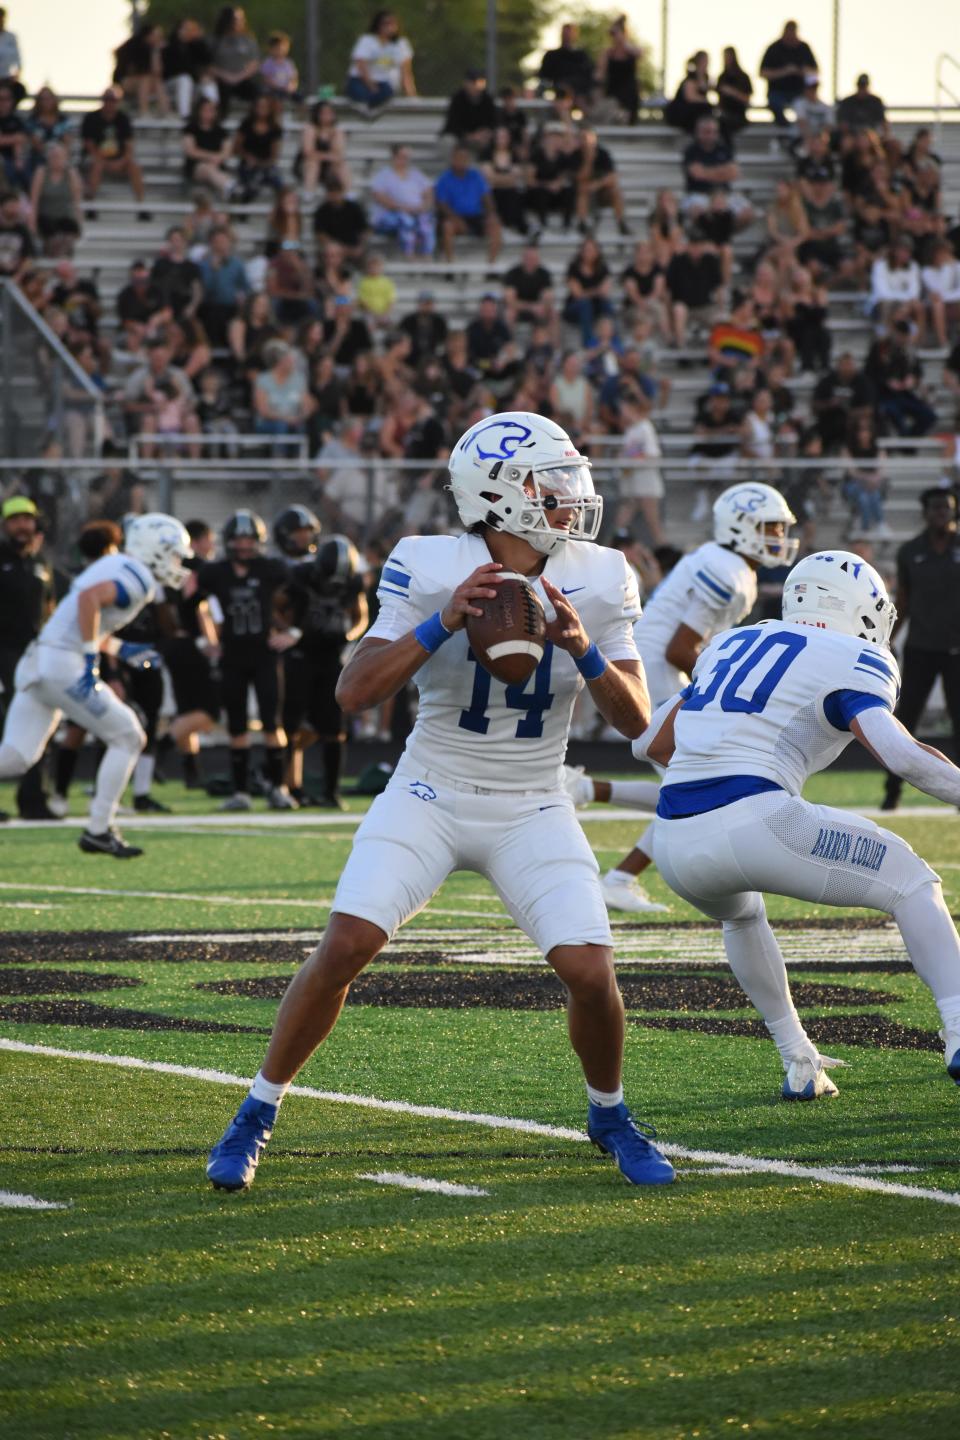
244	525
336	562
286	525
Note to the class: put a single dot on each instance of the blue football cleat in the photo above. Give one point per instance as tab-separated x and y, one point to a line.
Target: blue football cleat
614	1130
234	1159
952	1054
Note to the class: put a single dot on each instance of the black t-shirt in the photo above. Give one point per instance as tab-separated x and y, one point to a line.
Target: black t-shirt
643	279
530	285
716	226
257	145
425	439
210	139
26	589
931	583
568	67
16	245
356	341
246	598
484	342
81	304
694	282
739	80
696	154
428	333
12	125
861	112
546	169
589	279
346	223
186	57
135	304
779	54
173	282
952	362
465	116
109	136
726	439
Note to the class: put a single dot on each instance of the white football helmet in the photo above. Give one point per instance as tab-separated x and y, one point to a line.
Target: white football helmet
739	517
510	470
836	590
161	542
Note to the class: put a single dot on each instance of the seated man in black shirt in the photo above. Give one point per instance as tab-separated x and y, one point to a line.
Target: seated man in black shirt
137	301
551	188
837	397
176	280
568	66
784	66
708	165
694	278
107	138
490	345
598	183
345	334
471	113
528	292
862	111
426	328
342	220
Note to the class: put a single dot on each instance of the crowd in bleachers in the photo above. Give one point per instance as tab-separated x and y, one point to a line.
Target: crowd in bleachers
298	336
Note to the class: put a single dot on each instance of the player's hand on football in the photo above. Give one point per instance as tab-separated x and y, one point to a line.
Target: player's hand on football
478	586
566	630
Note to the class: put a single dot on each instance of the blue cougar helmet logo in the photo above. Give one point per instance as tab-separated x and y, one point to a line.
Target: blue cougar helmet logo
748	500
508	435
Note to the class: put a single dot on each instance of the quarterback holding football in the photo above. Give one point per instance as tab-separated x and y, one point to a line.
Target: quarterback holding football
480	784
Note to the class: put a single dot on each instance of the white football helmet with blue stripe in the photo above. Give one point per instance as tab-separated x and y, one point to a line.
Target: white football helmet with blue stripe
740	517
836	590
510	470
162	544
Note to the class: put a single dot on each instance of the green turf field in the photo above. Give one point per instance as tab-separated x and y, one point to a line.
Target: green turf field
815	1295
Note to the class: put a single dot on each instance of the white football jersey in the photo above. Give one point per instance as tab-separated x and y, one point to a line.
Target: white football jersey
774	700
470	726
135	589
710	589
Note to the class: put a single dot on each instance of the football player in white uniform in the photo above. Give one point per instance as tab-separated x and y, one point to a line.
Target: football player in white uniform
769	705
707	591
480	784
60	675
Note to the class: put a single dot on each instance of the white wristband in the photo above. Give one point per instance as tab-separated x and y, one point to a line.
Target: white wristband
91	647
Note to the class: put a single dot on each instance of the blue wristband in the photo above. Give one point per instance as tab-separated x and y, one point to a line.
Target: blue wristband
432	633
591	663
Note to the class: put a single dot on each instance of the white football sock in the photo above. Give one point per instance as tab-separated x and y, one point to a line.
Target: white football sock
112	776
933	946
608	1099
266	1090
143	774
757	962
790	1038
636	794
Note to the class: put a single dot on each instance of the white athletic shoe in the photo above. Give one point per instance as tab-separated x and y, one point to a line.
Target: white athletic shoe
578	785
58	805
279	798
624	892
807	1079
240	801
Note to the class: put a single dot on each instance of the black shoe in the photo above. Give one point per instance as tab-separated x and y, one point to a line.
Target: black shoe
38	812
146	215
145	804
329	802
890	802
109	842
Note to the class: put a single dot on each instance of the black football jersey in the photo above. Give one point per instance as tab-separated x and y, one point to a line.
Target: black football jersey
245	594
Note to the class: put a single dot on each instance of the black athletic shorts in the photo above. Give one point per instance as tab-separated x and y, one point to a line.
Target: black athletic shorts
144	692
195	685
309	698
265	675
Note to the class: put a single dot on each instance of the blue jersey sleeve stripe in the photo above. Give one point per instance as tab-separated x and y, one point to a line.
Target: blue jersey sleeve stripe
389	590
137	576
712	585
875	663
876	674
123	594
396	577
843	705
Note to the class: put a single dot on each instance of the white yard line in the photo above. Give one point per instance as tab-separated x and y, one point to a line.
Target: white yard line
746	1164
9	1200
420	1182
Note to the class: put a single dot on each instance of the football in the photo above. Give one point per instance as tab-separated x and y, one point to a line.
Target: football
508	638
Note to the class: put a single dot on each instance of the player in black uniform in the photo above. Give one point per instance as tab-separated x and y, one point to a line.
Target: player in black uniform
196	684
143	690
296	531
329	608
244	585
26	603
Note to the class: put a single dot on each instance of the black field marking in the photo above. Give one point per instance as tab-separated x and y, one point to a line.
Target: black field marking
496	989
105	1017
875	1031
18	981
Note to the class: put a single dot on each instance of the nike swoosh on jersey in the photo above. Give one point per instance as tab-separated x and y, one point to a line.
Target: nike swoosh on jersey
572	591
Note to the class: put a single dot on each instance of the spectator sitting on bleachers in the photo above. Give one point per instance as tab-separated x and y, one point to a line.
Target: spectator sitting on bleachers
345	333
461	374
588	289
117	491
465	205
837	397
215	410
602	359
708	165
376	293
332	271
45	125
10	61
381	63
785	63
862	110
506	176
641	488
629	378
257	145
598	184
895	287
426	328
14	141
225	285
329	393
512	117
402	204
822	248
951	371
550	183
291	288
137	302
863	487
279	77
571	395
691	104
159	399
281	401
645	288
285	224
757	432
787	226
491	348
666	231
805	319
80	301
189	349
528	292
717	430
341	220
174	279
56	198
617	74
735	342
897	375
813	114
694	282
471	112
815	161
138	68
569	67
734	91
188	66
236	58
250	332
877	214
717	224
941	288
107	137
207	148
323	152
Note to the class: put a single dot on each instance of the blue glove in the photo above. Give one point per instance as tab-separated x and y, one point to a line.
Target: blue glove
89	681
138	656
